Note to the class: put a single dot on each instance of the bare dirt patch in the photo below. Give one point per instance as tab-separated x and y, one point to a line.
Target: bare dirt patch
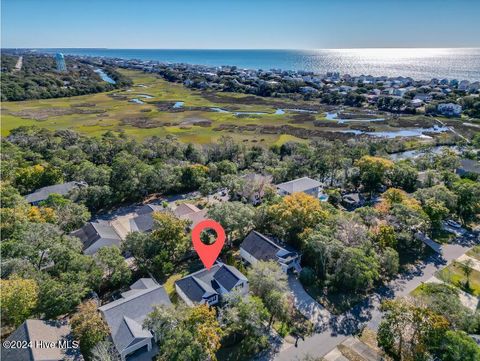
85	105
143	122
44	114
201	122
302	118
166	106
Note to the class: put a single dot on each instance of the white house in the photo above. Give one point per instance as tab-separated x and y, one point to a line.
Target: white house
209	286
305	185
258	247
416	103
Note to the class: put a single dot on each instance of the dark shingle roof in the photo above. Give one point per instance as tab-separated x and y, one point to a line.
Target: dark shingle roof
192	288
142	223
43	193
204	283
19	354
261	247
125	316
100	231
226	278
149	208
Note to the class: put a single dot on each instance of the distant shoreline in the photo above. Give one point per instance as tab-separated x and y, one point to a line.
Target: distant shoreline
238	49
418	63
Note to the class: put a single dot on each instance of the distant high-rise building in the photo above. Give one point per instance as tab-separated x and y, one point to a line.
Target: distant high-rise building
60	62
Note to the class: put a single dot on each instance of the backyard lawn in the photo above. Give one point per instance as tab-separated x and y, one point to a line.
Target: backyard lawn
474	252
455	275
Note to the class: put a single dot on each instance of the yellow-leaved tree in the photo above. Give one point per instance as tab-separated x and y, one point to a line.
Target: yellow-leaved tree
88	326
18	299
373	171
296	214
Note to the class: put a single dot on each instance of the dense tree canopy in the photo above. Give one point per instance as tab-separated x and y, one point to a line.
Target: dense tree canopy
350	252
158	250
88	327
295	214
186	333
38	78
18	299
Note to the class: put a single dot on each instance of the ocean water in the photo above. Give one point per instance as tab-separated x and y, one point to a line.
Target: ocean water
419	64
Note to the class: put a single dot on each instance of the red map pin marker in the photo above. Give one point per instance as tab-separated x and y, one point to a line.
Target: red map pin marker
208	253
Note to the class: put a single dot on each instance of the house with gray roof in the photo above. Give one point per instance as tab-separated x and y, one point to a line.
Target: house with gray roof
468	166
95	235
42	194
305	185
209	286
149	208
36	331
125	316
258	247
143	222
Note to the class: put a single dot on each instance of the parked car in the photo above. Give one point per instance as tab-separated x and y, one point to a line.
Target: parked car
454	224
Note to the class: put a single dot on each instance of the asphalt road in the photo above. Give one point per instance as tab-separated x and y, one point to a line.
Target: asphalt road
335	329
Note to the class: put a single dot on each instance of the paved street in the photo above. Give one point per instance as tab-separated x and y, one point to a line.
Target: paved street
332	330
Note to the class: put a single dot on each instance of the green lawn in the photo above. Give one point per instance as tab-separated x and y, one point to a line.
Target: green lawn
181	271
454	275
474	252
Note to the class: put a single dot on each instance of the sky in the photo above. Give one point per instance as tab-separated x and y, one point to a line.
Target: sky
239	24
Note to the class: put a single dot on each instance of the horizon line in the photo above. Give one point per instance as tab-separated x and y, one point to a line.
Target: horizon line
222	49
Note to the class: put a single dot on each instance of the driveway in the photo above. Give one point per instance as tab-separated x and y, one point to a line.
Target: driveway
332	329
311	309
